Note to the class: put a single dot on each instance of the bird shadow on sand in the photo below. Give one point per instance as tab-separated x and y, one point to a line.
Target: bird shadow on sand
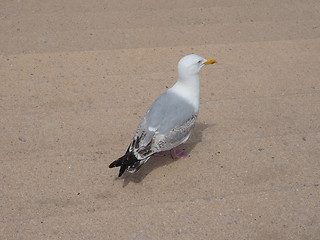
156	162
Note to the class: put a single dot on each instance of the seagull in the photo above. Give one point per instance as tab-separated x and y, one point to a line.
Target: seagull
170	119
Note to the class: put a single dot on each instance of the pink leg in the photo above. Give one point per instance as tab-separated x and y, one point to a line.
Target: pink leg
159	154
176	154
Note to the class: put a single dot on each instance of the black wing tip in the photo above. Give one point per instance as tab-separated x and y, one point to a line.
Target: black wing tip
124	162
123	167
122	170
113	164
119	162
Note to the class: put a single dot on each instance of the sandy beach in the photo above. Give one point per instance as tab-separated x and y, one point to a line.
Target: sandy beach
76	78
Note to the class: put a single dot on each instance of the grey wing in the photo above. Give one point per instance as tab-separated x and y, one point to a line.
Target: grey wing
167	124
175	136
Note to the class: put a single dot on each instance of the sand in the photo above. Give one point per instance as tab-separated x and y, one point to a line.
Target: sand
77	76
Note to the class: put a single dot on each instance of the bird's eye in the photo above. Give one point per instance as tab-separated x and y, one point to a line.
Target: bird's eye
199	61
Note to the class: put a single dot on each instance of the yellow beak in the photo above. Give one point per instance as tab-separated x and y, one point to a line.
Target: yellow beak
210	61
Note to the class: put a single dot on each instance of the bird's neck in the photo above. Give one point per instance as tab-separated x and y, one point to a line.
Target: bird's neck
189	89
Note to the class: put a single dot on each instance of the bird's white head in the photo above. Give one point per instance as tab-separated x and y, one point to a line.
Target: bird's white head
190	65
